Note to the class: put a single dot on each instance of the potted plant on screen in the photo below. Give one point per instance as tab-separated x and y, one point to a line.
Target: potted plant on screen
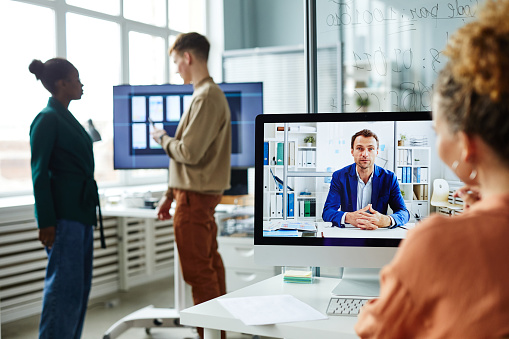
363	103
402	139
309	140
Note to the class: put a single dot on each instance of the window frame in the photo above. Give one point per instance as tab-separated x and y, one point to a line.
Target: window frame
61	8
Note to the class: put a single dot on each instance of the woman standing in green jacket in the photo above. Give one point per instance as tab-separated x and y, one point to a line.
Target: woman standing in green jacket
65	200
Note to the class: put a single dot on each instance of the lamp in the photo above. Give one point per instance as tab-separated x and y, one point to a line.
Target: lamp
94	134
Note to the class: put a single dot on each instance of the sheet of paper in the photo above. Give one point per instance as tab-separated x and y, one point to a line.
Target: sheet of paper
270	309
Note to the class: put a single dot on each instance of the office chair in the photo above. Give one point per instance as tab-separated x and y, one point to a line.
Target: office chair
440	197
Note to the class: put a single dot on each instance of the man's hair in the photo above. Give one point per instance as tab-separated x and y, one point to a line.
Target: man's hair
365	133
192	42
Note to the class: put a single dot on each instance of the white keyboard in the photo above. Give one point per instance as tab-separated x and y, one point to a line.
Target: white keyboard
345	306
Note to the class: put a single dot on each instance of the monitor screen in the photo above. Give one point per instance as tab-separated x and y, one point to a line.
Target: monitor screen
135	106
292	231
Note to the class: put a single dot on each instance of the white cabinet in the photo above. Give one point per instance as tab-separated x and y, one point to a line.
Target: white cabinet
238	260
413	172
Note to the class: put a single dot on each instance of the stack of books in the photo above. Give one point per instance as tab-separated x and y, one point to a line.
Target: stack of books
298	276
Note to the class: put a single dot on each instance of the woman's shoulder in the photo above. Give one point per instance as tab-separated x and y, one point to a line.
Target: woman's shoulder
47	118
437	223
428	227
425	246
458	231
48	115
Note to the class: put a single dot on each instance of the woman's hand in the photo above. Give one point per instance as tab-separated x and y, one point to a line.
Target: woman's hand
469	194
47	236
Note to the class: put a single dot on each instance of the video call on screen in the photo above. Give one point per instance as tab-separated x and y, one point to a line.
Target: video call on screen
331	151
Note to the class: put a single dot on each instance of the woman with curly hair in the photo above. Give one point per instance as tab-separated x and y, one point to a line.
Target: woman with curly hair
450	276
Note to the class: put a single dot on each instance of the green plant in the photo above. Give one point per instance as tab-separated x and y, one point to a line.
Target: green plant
402	137
309	139
363	102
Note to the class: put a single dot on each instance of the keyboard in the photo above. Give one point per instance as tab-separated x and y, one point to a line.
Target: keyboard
345	306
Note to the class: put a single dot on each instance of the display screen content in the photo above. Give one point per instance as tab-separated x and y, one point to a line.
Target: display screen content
317	146
136	108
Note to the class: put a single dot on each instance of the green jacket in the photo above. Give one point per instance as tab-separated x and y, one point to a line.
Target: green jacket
62	168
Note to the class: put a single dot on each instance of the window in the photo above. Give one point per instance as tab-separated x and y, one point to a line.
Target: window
175	78
28	32
147	57
104	6
150	12
93	38
96	53
187	16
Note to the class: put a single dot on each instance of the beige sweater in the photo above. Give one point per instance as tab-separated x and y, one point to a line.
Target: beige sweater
200	150
449	279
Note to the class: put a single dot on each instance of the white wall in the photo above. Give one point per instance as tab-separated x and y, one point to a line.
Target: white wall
335	140
263	23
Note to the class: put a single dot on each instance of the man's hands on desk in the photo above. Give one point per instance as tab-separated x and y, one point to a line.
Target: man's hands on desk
368	221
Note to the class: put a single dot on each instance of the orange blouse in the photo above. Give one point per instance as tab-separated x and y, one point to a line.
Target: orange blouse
449	279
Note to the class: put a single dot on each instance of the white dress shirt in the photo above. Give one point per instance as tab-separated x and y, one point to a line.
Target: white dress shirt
364	191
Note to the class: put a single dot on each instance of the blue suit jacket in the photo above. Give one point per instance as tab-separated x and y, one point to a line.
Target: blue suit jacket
343	193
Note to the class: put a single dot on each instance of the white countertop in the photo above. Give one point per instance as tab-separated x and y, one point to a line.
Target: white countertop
212	315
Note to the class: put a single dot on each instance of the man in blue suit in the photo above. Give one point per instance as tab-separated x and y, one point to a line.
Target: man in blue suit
360	193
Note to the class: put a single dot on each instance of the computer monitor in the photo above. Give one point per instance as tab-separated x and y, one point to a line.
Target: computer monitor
307	169
133	106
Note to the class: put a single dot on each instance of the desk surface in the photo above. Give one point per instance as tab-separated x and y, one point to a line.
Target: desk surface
326	230
122	211
212	315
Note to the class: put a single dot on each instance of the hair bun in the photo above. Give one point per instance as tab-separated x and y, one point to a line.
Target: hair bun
36	67
479	51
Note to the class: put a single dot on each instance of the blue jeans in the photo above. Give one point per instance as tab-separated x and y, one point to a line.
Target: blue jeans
68	281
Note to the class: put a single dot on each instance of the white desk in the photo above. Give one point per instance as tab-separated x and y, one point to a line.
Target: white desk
326	230
213	317
149	316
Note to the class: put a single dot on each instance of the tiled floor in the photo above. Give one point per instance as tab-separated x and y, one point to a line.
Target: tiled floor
101	315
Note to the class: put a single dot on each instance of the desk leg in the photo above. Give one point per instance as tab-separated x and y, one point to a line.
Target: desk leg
122	253
209	333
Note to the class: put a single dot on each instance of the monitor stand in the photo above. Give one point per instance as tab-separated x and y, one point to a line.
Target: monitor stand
359	282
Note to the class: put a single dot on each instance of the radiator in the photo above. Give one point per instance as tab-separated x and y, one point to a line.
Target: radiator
138	251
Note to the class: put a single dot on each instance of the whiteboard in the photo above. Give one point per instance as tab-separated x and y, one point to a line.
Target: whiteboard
391	51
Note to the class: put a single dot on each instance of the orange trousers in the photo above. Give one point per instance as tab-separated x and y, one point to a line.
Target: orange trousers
195	233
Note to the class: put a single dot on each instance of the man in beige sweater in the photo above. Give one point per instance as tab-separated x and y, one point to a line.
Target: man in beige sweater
199	170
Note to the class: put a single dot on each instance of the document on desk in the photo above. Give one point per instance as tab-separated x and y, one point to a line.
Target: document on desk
270	309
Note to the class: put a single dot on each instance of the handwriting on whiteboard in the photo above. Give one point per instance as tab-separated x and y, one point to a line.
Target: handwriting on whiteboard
384	50
347	15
